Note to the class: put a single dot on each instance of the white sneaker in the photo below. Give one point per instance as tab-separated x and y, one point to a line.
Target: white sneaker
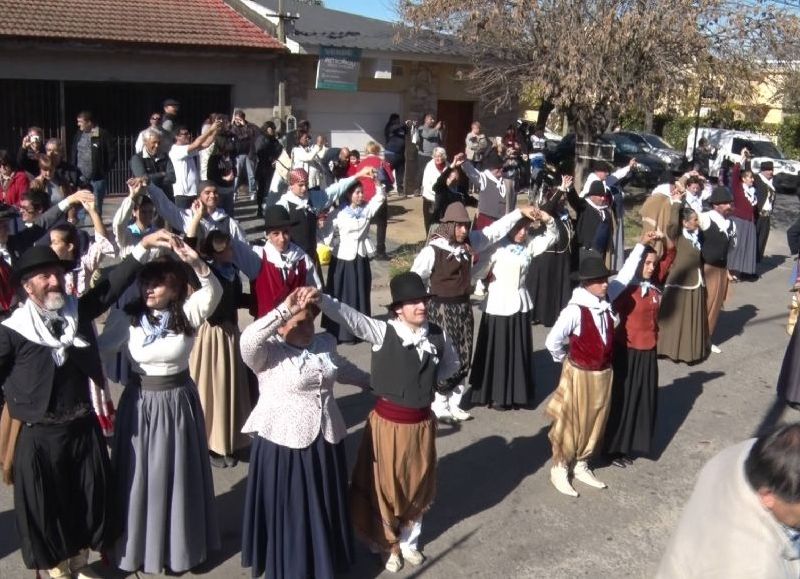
583	474
559	476
412	557
394	563
459	414
715	349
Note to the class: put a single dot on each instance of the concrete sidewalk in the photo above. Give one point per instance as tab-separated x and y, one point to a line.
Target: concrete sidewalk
496	514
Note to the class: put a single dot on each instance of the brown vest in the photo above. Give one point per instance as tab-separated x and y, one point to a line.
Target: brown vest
450	277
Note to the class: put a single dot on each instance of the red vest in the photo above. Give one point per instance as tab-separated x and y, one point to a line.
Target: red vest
638	327
6	287
587	351
270	288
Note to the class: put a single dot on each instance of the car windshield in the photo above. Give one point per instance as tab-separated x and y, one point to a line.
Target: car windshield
756	148
625	144
657	142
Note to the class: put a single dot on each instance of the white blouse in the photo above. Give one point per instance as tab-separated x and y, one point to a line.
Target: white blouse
167	355
348	235
508	292
296	402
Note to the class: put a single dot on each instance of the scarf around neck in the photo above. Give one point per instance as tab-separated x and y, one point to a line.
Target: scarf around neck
160	329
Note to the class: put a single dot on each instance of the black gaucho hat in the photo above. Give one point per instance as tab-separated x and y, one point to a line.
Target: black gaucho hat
36	257
766	166
601	165
720	194
277	217
407	287
592	267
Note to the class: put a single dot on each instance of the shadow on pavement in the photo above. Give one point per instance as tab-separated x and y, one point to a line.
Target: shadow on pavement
479	476
732	323
9	540
230	515
674	404
771	262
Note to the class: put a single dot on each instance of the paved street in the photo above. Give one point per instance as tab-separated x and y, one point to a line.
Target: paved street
496	514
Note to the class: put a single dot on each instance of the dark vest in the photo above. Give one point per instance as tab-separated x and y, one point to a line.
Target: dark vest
715	246
304	233
587	351
450	277
593	232
397	373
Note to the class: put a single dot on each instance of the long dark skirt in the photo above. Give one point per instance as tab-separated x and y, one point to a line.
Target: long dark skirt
742	254
459	323
634	395
62	491
789	379
502	370
349	281
549	286
296	519
763	223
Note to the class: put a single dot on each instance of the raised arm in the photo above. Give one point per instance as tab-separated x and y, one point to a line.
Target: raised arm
204	301
246	257
205	139
423	263
538	244
628	271
488	236
472	173
367	328
167	209
254	342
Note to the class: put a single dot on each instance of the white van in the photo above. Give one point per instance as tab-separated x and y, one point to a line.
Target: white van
729	144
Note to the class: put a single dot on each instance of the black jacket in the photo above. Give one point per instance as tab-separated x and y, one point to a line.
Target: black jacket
763	192
104	154
27	237
445	196
159	169
27	369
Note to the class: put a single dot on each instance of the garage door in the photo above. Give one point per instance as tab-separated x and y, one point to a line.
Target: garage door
351	119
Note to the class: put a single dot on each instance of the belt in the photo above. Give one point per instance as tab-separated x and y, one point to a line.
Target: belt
160	383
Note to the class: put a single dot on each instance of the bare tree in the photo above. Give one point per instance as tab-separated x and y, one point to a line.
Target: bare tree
595	58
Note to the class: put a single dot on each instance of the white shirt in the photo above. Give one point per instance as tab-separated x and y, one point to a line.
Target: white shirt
569	322
186	172
348	235
610	181
429	177
307	159
768	203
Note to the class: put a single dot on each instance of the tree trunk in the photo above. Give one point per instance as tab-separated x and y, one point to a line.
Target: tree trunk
544	113
648	121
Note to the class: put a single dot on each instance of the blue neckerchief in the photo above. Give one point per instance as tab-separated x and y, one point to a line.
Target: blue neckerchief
138	233
153	333
354	212
516	248
226	271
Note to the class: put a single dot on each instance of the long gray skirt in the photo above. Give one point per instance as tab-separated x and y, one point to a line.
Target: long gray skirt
742	255
164	493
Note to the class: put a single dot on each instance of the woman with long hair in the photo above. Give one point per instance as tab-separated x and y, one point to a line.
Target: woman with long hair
163	486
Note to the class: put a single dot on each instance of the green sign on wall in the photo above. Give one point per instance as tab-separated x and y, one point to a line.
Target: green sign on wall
337	68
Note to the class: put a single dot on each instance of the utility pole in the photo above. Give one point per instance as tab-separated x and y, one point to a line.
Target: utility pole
282	65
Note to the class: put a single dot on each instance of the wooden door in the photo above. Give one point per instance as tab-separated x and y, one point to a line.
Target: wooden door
457	117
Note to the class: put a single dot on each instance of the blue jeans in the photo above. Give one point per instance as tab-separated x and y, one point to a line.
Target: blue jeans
245	166
99	187
398	163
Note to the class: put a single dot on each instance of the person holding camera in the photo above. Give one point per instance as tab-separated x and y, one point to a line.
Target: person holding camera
32	148
428	138
477	144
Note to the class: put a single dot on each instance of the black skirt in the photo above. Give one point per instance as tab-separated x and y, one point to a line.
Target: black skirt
349	281
789	378
296	518
634	396
549	286
502	369
62	491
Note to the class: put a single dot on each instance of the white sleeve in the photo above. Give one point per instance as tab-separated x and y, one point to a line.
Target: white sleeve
542	242
254	343
568	321
367	328
119	225
429	176
312	277
423	263
626	273
374	204
488	236
336	190
618	176
204	301
704	220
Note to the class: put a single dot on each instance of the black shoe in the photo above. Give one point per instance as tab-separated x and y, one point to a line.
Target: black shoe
230	461
381	257
620	462
217	461
501	408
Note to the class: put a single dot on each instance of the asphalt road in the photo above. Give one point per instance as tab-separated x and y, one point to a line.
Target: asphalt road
496	514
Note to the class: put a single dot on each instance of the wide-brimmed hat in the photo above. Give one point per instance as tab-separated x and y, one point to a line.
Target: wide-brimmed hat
601	165
592	266
37	257
455	213
407	287
277	217
597	188
720	194
766	166
171	103
492	161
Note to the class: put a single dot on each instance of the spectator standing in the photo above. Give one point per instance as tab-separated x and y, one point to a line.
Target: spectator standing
65	174
155	125
477	145
246	139
31	150
370	186
154	164
305	156
268	151
13	182
183	155
222	170
169	119
395	150
93	153
430	175
428	137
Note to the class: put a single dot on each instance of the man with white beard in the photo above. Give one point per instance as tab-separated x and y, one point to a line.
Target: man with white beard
48	355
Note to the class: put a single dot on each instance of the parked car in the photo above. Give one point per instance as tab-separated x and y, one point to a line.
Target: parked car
661	149
649	171
728	144
527	128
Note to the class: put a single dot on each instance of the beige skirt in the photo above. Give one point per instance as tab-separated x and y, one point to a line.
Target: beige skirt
217	368
394	479
579	409
716	293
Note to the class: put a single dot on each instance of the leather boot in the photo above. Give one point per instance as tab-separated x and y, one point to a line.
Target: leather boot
559	476
583	474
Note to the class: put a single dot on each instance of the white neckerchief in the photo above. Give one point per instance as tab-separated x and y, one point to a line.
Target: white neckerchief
5	255
724	225
646	286
501	184
417	338
750	193
767	181
457	251
599	208
286	260
692	236
27	322
299	202
582	297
